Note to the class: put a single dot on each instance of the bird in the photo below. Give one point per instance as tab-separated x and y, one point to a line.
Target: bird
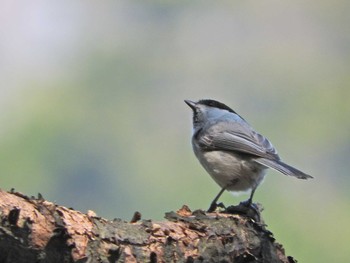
231	151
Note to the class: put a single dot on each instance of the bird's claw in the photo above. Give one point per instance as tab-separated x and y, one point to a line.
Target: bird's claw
246	208
214	205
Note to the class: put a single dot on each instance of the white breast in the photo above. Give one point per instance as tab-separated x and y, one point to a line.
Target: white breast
231	170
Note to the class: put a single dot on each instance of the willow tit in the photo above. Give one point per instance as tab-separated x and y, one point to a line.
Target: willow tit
228	148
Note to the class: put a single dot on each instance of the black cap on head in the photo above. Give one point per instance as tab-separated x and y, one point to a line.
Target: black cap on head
216	104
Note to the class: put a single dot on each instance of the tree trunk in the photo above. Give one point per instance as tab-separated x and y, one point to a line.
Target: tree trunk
35	230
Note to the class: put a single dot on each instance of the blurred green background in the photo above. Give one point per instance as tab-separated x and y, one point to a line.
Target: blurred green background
92	113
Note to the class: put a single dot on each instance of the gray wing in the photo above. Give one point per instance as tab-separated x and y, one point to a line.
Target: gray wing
282	167
237	137
240	137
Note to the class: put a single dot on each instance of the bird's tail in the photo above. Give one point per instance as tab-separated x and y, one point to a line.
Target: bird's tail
283	168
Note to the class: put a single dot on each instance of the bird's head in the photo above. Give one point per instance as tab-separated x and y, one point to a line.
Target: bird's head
207	109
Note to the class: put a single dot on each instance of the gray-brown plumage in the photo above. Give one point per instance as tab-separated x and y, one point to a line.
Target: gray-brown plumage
230	150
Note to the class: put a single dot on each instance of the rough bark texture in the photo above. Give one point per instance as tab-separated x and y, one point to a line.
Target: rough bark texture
35	230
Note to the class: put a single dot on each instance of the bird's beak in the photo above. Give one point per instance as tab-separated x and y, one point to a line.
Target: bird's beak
191	103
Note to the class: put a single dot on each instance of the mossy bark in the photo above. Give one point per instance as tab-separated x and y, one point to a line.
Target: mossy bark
35	230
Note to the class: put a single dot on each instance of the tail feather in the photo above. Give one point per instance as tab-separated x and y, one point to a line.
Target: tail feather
283	168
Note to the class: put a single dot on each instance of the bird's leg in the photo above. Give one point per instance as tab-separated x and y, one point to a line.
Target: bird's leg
249	202
247	208
213	204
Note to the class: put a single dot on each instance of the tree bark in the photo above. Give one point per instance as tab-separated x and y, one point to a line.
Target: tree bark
36	230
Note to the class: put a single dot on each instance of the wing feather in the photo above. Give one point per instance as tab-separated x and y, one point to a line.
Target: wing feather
240	137
282	167
237	137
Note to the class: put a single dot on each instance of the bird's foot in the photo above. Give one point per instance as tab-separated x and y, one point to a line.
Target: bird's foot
214	205
249	204
247	208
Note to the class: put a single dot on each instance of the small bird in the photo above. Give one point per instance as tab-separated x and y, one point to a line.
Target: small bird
231	151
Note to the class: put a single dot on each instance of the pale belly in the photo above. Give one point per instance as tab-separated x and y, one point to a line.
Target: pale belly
231	171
